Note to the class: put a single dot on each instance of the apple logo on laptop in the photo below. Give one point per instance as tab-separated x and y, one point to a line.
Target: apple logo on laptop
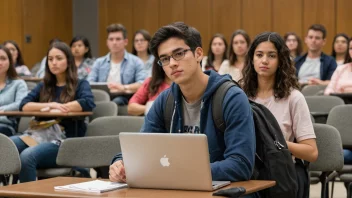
164	161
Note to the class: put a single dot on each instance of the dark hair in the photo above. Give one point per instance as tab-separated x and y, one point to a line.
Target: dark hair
348	58
232	55
54	40
285	77
85	41
47	93
318	27
189	35
333	52
19	60
210	59
157	78
11	72
299	48
146	36
117	27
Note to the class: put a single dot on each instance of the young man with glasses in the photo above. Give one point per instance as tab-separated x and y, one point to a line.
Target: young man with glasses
179	50
124	72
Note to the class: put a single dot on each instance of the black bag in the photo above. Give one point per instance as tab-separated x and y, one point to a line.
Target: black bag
273	160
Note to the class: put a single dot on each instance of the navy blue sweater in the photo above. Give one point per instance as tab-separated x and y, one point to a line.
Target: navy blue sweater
83	96
232	154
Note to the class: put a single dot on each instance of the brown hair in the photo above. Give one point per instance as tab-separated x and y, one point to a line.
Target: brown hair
11	72
47	94
232	55
146	36
210	59
299	48
318	27
117	27
285	77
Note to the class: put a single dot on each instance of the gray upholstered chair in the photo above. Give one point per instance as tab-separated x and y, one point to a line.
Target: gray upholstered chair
320	106
9	157
313	90
88	152
103	109
113	125
330	158
340	118
100	95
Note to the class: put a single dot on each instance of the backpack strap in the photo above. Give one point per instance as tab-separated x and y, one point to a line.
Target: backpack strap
217	101
169	106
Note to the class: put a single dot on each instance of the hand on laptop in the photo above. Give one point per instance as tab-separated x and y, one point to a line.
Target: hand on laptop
117	172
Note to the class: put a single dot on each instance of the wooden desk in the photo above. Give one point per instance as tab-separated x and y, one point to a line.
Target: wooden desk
44	114
73	115
45	188
31	79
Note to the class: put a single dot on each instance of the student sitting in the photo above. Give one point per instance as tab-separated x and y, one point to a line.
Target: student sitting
294	44
143	99
124	72
60	91
315	67
240	42
12	91
340	49
141	49
341	80
41	71
17	59
269	78
84	61
178	49
217	53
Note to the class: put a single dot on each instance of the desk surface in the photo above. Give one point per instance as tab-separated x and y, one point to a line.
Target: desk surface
44	114
31	79
45	188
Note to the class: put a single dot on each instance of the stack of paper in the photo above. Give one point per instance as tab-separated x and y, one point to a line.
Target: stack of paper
95	186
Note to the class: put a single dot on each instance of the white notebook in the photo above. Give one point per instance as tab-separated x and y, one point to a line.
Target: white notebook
95	186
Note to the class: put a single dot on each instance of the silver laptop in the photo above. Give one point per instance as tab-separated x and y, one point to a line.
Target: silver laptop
168	161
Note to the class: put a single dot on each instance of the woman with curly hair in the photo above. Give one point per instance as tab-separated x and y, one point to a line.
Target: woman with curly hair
269	79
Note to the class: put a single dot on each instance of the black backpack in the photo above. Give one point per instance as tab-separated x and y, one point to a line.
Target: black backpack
273	160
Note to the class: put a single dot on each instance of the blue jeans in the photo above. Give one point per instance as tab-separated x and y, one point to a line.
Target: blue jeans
40	156
347	155
121	100
6	131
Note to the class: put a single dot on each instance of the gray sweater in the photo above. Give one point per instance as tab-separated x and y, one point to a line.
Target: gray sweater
10	98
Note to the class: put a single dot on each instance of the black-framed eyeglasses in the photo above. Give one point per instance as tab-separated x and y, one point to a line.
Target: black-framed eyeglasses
165	60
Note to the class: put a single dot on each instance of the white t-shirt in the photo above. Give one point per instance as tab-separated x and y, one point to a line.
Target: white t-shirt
292	114
226	68
115	72
309	69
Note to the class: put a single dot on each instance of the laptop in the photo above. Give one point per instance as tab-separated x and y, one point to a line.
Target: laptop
167	161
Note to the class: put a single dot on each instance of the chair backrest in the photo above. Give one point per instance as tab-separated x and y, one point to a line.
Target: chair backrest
113	125
312	118
23	124
323	104
9	157
88	152
100	95
123	110
312	90
340	118
330	157
104	109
